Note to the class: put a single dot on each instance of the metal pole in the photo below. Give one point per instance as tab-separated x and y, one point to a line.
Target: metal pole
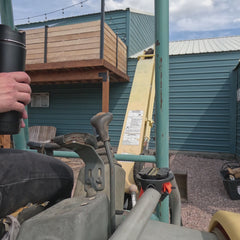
102	29
162	91
7	13
136	220
135	158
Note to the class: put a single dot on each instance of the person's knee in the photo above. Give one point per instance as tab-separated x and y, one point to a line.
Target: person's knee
30	177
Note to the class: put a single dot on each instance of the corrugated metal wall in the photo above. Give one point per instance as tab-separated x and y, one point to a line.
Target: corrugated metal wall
238	113
119	95
141	32
72	106
201	100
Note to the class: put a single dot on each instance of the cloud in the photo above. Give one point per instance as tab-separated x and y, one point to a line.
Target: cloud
185	15
143	5
237	20
190	15
203	15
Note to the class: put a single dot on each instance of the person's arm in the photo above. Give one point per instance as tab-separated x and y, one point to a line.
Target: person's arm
15	92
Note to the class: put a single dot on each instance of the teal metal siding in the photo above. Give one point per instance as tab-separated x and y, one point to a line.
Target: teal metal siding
72	106
201	114
238	113
70	109
118	23
119	96
204	115
141	32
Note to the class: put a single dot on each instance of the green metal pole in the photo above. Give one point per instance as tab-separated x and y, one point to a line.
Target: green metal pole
162	92
6	11
135	158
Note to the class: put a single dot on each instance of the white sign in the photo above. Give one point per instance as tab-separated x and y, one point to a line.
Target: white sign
40	100
133	128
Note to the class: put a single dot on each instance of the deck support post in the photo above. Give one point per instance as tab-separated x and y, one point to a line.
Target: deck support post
105	90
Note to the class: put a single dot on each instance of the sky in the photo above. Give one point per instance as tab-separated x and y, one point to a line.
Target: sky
188	19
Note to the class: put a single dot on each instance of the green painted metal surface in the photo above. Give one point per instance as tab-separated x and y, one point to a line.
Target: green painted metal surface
141	32
7	13
162	82
135	158
201	102
162	93
72	106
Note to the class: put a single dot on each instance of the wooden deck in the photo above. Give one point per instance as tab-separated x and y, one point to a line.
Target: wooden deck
84	71
71	54
75	42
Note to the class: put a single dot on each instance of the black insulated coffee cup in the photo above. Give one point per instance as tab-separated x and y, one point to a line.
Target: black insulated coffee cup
12	59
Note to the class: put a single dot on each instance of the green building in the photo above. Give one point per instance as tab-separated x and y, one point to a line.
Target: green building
204	109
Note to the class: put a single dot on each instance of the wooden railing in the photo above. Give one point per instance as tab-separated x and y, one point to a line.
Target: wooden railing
75	42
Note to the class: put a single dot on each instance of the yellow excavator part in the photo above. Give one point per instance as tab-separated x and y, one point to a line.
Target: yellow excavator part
229	222
138	119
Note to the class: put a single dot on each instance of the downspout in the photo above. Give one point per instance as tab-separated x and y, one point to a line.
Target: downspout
233	111
128	16
162	92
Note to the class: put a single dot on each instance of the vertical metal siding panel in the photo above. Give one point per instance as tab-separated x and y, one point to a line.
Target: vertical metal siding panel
119	96
141	32
71	107
200	102
117	21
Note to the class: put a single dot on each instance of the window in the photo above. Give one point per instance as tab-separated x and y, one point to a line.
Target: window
40	100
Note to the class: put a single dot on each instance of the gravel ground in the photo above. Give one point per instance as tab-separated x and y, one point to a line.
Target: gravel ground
205	190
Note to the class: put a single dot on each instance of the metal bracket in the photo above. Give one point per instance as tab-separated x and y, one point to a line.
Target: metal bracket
103	75
94	165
